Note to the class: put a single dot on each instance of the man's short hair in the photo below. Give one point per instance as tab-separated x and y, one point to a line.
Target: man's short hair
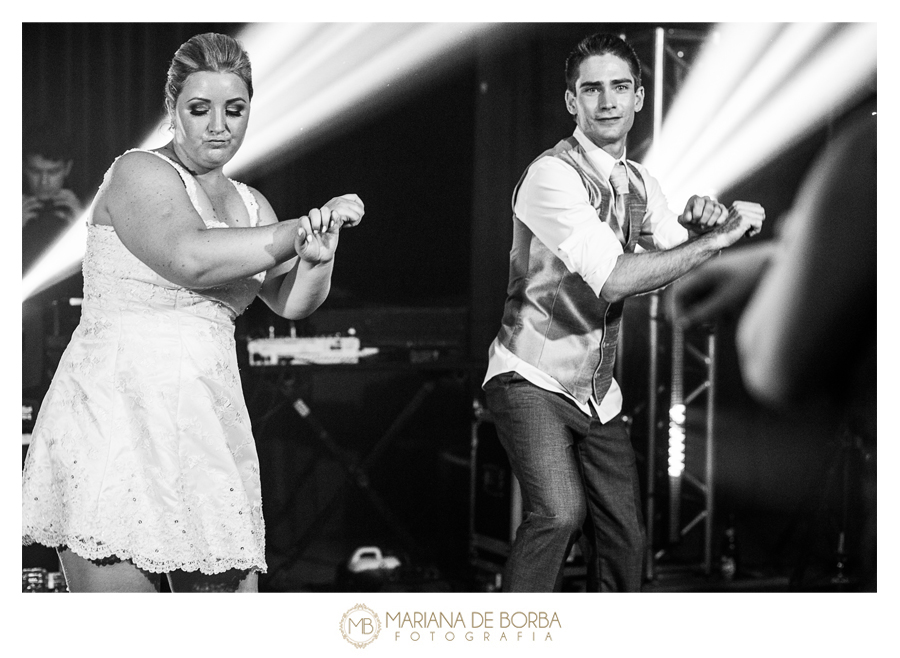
48	142
601	43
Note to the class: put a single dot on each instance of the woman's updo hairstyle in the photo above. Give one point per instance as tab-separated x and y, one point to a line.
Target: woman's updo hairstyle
218	53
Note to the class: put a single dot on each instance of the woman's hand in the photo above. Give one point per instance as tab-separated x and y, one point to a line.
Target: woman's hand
348	209
317	236
317	232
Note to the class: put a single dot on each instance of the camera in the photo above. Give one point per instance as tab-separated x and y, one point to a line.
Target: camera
51	211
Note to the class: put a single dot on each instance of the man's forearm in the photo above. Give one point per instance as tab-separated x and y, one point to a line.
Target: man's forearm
635	274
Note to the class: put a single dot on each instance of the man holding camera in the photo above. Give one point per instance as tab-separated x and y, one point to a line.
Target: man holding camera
48	207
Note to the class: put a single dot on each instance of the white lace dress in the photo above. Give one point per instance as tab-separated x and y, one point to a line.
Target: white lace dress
143	447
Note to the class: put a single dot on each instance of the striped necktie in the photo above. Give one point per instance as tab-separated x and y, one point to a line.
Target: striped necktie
618	180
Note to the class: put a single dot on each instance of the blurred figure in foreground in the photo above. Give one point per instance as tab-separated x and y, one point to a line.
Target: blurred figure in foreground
808	331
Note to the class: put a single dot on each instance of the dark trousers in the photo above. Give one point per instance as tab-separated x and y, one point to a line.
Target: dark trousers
577	475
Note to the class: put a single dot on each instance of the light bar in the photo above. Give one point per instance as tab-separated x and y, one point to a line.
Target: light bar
676	440
676	443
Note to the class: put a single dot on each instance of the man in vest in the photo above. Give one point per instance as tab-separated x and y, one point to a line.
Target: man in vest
589	229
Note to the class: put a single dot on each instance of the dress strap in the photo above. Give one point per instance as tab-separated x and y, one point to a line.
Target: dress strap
190	183
250	201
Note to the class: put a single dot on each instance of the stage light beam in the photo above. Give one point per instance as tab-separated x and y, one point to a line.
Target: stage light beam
361	77
805	74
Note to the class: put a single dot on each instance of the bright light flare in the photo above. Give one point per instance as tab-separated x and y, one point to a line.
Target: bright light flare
59	262
755	90
347	71
306	78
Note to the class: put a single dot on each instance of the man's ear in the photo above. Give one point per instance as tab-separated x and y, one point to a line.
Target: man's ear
639	99
570	103
69	167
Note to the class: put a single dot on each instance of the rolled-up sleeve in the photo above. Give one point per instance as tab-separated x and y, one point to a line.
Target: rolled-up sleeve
660	229
553	203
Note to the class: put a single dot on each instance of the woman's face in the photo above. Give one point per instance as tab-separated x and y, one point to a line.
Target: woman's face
210	119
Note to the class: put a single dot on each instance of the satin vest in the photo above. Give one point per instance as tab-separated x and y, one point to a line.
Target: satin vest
552	319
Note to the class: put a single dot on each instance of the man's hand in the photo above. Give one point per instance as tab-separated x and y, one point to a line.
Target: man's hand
745	218
30	208
66	204
702	214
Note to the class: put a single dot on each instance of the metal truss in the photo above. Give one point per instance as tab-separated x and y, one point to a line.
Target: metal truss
691	394
686	396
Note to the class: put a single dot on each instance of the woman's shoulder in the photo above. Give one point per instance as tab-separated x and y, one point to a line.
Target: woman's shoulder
142	159
141	166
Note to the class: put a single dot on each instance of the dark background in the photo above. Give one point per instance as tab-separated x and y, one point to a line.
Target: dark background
427	269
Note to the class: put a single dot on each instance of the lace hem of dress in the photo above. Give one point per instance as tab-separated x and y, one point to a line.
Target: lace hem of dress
208	565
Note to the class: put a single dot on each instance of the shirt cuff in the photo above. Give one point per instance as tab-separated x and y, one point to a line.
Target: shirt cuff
591	251
669	233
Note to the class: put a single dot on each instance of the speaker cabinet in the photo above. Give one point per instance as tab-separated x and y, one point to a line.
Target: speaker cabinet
495	499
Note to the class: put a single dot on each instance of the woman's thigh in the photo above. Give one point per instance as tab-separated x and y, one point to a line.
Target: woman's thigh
233	580
83	575
113	575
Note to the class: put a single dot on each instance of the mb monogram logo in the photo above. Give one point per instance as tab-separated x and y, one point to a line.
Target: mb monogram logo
360	626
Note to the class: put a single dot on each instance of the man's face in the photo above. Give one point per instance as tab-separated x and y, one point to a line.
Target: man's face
605	101
43	177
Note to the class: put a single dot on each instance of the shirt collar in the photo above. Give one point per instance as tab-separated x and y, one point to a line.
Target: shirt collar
602	160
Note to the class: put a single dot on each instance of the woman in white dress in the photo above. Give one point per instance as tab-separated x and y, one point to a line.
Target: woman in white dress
142	460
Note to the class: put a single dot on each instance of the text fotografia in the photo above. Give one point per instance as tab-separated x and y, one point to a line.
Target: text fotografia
478	626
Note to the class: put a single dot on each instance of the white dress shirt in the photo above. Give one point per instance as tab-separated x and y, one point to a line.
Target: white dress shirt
553	203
